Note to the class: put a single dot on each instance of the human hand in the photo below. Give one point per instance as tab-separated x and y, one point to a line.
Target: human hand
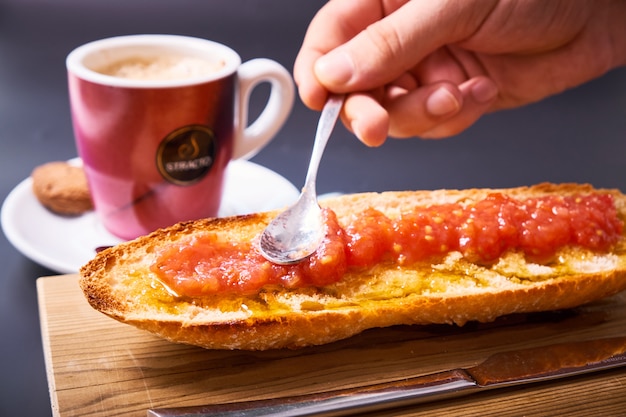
432	68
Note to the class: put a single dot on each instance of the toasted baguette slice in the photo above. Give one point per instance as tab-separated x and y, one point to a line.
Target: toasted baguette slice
118	282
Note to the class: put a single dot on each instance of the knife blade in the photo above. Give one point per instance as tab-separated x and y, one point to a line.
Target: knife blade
516	367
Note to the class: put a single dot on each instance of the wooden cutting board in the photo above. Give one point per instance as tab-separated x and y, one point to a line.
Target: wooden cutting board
99	367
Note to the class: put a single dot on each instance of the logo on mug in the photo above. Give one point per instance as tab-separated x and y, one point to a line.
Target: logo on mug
186	155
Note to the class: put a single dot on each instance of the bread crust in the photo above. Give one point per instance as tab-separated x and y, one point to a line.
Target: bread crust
118	283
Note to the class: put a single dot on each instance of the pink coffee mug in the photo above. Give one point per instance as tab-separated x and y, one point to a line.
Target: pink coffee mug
157	118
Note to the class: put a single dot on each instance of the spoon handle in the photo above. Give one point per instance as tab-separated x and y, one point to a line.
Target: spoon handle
325	126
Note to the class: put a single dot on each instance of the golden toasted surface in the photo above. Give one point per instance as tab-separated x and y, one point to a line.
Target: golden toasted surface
119	283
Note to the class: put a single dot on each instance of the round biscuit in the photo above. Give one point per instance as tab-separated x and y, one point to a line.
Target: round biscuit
62	188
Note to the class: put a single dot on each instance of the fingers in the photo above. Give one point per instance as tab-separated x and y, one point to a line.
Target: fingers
365	47
434	111
365	117
421	110
335	24
478	95
382	51
311	92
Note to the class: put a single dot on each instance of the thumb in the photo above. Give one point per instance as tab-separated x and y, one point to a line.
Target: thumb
389	47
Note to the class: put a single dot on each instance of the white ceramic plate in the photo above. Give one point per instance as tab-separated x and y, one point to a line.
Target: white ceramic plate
63	244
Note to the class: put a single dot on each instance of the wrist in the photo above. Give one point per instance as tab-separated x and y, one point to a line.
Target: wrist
617	30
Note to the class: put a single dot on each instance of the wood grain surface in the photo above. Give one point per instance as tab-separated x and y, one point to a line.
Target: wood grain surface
99	367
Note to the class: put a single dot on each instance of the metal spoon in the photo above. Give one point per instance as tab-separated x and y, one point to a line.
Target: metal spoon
298	231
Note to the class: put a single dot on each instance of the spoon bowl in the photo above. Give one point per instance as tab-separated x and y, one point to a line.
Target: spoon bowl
297	232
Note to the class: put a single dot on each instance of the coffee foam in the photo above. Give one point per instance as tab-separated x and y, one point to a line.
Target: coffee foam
162	67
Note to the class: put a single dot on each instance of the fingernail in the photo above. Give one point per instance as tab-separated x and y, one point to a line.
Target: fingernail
442	102
334	68
484	90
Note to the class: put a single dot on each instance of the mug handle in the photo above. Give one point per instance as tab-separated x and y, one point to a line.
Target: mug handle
250	139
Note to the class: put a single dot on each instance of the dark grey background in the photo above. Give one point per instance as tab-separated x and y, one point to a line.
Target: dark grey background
577	136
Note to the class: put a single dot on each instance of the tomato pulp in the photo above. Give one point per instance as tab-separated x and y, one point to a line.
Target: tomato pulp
481	232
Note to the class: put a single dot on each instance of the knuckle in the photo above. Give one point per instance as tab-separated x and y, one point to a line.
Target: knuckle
385	39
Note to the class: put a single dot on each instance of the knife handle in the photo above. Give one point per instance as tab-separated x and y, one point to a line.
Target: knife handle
337	403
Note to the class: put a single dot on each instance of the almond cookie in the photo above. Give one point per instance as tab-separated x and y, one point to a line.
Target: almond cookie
62	188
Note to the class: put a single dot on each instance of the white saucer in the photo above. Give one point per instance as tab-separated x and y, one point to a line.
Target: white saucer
64	244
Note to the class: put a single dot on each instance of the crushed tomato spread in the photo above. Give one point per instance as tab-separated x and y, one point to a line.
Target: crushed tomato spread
207	264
